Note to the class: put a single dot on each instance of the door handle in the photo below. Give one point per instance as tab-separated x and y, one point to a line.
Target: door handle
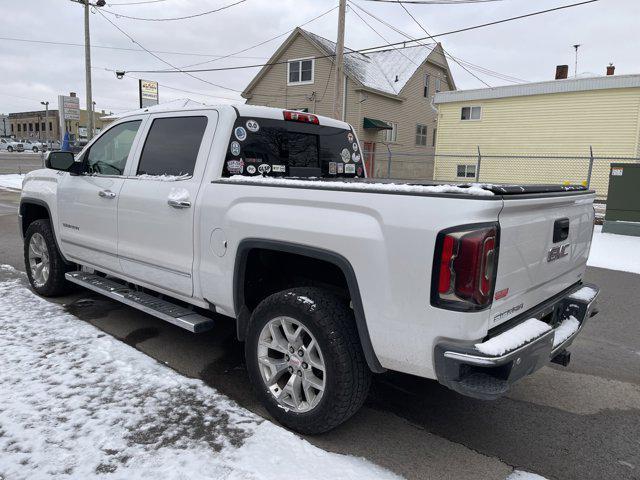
106	194
179	203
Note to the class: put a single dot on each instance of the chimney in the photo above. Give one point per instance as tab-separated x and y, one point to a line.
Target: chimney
72	94
562	72
611	69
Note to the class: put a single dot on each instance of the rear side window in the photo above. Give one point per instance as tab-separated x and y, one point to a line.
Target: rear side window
261	146
172	146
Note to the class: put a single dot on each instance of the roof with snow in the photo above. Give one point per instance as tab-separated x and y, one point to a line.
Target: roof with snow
579	84
379	70
387	71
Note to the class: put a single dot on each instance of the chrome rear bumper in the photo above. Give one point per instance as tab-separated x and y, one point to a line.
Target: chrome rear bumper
463	367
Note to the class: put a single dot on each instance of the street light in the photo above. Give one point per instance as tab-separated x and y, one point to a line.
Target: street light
87	58
46	122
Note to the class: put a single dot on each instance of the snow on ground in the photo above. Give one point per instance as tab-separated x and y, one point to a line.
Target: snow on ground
12	181
77	403
616	252
521	475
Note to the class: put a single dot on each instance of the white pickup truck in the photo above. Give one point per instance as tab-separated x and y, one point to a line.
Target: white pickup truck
266	216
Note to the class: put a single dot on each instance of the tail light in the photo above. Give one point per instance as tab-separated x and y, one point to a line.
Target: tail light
300	117
465	265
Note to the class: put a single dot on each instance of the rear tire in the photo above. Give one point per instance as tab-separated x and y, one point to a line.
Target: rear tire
310	334
43	262
10	149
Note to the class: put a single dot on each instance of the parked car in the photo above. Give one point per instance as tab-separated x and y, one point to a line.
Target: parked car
11	145
78	145
265	216
34	146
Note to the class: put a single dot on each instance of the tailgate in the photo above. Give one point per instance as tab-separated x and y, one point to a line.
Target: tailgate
531	265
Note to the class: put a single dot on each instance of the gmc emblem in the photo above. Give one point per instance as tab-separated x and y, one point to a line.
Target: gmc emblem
556	253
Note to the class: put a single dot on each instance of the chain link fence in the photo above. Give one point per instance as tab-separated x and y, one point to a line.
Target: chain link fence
589	170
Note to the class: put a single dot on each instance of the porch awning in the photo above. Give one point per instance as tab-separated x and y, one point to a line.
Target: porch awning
373	123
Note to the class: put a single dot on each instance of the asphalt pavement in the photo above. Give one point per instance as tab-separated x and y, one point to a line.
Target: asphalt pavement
20	162
579	422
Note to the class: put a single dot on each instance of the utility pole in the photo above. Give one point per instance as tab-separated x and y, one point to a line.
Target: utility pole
337	94
46	122
575	73
87	59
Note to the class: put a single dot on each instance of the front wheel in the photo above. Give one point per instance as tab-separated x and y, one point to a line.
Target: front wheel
10	149
35	149
43	262
305	360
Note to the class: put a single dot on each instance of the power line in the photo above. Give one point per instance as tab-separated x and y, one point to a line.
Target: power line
134	3
186	17
71	44
376	48
264	41
435	2
443	50
161	59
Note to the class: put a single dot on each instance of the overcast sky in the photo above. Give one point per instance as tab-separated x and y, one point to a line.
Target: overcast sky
528	49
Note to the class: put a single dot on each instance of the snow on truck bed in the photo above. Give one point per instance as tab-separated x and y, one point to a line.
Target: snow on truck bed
79	404
360	184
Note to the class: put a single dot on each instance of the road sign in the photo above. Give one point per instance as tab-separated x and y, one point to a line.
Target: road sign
148	93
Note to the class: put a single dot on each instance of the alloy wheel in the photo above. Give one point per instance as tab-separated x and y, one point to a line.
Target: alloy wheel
291	364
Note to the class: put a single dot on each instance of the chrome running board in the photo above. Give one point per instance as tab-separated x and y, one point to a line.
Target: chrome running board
163	309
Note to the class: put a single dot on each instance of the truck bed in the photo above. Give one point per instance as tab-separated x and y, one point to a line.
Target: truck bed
410	187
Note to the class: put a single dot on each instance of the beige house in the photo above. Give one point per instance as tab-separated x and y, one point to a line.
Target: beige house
388	96
562	121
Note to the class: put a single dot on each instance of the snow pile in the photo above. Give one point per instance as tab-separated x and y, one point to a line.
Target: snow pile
473	189
179	195
616	252
513	338
586	294
77	403
521	475
12	181
567	328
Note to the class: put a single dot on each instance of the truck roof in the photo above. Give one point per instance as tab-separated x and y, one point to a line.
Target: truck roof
242	110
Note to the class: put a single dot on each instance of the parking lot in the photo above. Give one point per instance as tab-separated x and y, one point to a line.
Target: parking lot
579	422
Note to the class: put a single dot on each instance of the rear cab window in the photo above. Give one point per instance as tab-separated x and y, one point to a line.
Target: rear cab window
272	147
172	145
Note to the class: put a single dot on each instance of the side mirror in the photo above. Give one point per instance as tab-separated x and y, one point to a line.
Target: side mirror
58	160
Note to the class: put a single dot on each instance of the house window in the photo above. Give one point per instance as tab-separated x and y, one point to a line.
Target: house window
438	84
19	129
391	136
470	113
425	92
37	127
12	127
50	126
466	171
31	127
43	126
300	72
433	141
421	135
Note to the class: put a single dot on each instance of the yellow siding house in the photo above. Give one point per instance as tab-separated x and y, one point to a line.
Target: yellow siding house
542	132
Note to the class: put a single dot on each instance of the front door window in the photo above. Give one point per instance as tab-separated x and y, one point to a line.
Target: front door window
108	155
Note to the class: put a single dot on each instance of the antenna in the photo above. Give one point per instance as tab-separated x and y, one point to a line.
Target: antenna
576	46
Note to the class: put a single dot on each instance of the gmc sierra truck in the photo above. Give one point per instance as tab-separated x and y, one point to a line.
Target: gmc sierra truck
267	216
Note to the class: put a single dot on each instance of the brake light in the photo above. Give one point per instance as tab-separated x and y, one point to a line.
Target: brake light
465	267
300	117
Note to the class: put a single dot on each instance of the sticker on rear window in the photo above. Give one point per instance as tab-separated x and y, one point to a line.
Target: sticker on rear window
252	126
251	169
346	155
278	168
235	167
355	157
350	137
333	168
241	134
264	168
350	168
617	172
235	148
